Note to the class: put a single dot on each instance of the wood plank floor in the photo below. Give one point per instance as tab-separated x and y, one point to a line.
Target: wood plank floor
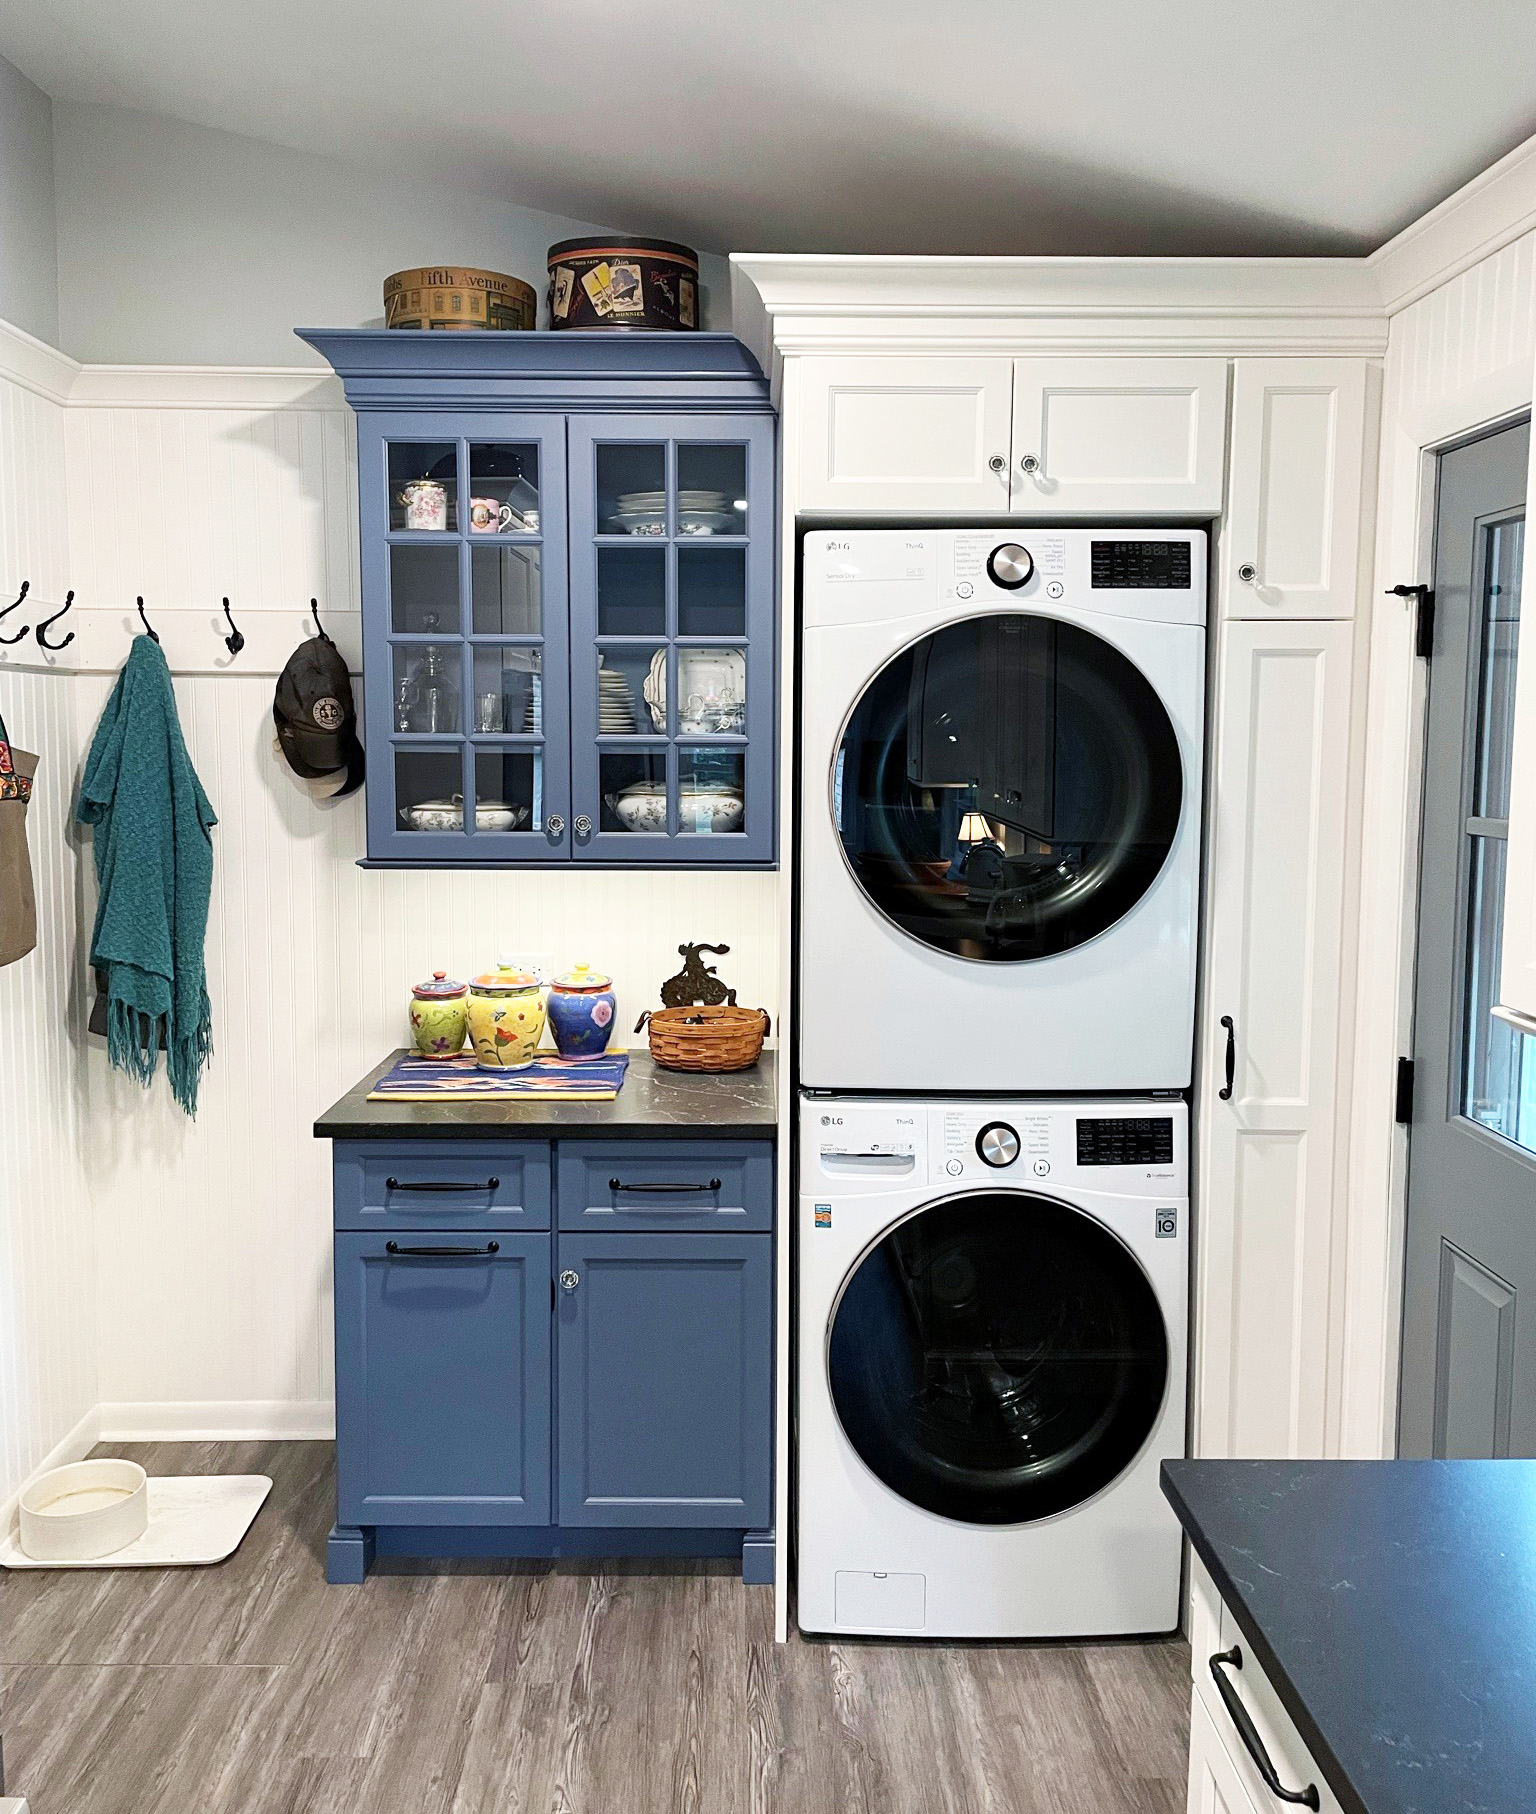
518	1688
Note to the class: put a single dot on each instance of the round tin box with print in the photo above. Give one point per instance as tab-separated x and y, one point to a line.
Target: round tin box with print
605	282
458	296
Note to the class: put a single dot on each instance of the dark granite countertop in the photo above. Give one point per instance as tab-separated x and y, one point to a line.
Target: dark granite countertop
1393	1606
735	1105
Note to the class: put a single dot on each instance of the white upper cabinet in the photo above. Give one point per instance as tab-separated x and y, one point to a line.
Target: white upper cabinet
1293	532
922	436
1270	1036
1118	437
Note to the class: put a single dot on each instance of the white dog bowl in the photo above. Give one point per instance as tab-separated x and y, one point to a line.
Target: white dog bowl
87	1509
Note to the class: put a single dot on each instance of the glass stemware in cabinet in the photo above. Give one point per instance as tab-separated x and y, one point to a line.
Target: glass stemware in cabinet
426	689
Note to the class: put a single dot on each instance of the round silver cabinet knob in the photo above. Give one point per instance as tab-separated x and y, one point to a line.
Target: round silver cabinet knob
997	1144
997	463
569	1280
1247	573
582	825
1011	566
1029	464
554	825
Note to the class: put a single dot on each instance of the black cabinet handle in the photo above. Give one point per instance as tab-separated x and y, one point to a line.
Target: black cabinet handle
439	1184
1249	1734
619	1184
1225	1093
397	1252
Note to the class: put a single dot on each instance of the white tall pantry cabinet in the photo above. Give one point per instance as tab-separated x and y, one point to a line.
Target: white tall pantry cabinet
1239	393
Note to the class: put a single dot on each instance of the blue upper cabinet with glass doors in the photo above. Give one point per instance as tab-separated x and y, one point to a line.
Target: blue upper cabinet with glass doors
569	625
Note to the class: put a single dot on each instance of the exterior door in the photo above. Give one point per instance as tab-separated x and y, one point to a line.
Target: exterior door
1469	1344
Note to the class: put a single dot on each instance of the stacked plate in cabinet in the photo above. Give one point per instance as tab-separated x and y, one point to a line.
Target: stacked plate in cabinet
699	512
615	704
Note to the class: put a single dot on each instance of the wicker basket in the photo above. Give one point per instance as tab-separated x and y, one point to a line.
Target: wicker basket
705	1039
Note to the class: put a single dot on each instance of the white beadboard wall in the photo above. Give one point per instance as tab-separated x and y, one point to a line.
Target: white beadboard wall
212	1238
48	1357
1458	359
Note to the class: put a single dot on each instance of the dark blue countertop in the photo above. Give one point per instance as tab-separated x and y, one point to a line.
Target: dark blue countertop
1393	1606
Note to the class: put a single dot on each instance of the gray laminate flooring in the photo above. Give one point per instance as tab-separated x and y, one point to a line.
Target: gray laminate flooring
517	1688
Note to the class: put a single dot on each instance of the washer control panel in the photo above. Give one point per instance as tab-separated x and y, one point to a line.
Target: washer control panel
1129	1147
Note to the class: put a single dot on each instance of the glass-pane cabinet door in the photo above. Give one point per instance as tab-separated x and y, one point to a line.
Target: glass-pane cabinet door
672	643
465	595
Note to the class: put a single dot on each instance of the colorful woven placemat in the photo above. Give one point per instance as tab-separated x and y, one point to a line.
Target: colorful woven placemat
571	1079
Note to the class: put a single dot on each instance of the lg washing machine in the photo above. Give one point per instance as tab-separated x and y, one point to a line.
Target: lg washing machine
999	820
992	1347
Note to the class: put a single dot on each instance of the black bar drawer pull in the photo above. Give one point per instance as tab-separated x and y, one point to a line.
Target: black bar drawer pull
1225	1093
397	1252
1249	1734
439	1184
619	1184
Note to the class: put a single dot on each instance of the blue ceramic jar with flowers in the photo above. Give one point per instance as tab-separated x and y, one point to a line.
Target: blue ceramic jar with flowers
581	1009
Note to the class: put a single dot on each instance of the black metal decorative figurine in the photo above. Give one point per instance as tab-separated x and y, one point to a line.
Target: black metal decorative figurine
696	982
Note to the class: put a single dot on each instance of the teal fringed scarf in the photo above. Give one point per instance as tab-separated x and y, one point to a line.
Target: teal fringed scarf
154	867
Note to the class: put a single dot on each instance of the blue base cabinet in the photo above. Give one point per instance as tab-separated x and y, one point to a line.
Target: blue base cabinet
569	597
598	1385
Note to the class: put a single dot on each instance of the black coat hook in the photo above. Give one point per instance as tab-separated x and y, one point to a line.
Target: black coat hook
234	642
42	641
314	611
145	621
26	587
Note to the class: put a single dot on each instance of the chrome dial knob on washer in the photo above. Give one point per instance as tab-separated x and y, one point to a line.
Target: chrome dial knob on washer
1011	566
997	1144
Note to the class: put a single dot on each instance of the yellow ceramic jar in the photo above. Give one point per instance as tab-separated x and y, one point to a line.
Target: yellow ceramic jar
506	1018
438	1017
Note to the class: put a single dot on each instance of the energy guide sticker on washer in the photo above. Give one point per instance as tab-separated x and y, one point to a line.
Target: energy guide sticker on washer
823	1215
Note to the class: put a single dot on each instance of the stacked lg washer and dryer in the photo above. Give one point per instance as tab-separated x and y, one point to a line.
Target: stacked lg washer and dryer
999	827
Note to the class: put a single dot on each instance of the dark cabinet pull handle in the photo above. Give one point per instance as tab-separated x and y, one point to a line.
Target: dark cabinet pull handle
1249	1733
619	1184
437	1184
397	1252
1225	1093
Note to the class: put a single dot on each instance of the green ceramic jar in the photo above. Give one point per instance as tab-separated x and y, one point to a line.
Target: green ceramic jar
439	1016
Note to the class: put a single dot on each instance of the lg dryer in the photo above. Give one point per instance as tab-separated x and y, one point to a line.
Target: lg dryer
992	1314
1001	744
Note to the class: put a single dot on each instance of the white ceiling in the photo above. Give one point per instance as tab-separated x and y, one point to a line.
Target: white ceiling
1088	126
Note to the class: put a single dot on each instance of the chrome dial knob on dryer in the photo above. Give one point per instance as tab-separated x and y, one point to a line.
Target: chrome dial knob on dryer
1011	566
997	1144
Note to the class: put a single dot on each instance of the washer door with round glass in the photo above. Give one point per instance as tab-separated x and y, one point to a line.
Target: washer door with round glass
1007	787
997	1358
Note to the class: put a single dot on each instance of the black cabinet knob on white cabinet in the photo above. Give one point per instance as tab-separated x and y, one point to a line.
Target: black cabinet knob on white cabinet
997	1144
1010	566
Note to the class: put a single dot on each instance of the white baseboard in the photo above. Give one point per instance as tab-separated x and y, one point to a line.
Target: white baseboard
73	1447
220	1420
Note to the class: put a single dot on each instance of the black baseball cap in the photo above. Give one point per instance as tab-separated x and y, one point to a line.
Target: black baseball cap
315	717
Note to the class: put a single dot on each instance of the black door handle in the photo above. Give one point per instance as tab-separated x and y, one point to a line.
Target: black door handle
436	1184
397	1252
619	1184
1249	1733
1225	1093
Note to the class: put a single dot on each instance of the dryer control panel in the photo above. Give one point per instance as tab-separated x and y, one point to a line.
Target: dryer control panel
1132	1147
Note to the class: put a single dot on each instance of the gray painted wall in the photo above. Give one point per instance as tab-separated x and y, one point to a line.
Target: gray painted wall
29	272
185	245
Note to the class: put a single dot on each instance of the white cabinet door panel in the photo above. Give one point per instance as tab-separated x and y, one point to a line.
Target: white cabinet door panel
1293	531
911	435
1214	1784
1119	436
1274	960
1517	979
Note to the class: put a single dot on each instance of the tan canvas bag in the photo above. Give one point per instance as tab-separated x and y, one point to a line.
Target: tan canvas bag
18	904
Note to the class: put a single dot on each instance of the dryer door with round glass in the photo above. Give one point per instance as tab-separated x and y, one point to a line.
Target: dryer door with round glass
1007	787
997	1357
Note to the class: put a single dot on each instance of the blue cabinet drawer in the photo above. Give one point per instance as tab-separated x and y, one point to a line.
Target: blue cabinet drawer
442	1183
643	1186
442	1377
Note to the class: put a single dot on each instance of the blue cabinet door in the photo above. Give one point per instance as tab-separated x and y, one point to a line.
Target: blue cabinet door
442	1378
665	1379
673	639
465	625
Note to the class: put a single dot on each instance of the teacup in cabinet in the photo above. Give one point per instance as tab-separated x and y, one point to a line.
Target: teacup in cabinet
506	1018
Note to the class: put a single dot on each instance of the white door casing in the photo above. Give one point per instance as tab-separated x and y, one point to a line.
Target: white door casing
1276	893
1119	436
1292	547
926	436
1517	971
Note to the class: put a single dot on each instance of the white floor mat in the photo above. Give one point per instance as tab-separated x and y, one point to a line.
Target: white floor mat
194	1519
